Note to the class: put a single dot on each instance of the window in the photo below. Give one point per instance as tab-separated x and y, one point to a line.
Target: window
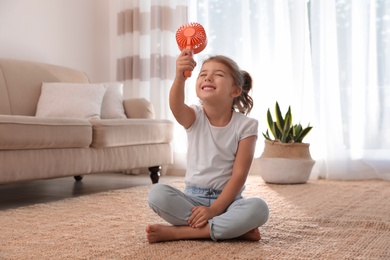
329	60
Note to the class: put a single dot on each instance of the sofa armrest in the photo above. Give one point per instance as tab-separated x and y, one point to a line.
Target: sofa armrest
138	108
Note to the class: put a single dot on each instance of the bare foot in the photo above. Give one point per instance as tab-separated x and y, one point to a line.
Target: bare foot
158	233
253	235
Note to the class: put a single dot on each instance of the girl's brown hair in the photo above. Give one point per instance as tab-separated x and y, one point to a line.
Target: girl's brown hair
244	102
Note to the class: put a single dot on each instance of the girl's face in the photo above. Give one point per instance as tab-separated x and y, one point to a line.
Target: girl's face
215	83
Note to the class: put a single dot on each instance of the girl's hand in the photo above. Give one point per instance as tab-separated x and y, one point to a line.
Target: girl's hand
184	62
200	216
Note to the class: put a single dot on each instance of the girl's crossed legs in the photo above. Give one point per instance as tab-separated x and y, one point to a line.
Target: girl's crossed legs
241	219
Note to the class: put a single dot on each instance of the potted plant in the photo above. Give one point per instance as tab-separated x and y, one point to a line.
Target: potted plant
285	158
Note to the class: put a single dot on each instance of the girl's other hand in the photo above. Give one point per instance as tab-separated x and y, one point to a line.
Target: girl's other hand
200	216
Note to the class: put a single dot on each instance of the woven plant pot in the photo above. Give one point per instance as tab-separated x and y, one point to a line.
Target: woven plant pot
285	163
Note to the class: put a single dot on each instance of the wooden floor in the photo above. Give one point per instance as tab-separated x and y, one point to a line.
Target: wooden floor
42	191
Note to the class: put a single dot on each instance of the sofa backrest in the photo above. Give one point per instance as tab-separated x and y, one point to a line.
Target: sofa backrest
21	81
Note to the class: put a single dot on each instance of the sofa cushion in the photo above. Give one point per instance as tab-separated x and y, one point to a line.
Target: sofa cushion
123	132
71	100
26	132
112	106
138	108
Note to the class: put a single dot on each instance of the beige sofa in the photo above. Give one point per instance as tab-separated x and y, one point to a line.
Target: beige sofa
47	146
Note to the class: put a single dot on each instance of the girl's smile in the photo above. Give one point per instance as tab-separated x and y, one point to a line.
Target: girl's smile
208	88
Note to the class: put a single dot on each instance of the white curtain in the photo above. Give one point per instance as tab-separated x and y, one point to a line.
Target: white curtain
350	51
146	48
329	60
145	51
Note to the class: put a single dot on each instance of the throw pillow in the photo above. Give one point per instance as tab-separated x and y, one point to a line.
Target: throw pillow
73	100
112	106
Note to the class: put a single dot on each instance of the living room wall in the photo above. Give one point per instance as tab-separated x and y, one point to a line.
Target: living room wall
71	33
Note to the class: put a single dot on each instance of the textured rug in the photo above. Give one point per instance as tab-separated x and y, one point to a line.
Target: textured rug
318	220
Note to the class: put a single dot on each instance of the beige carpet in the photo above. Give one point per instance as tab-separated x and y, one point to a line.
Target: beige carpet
317	220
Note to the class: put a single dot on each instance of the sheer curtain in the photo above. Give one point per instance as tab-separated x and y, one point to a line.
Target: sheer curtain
329	60
350	51
146	48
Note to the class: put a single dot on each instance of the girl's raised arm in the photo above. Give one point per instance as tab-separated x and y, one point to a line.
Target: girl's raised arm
182	112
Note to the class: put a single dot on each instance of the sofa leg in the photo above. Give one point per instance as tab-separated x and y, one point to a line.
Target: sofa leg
155	173
78	177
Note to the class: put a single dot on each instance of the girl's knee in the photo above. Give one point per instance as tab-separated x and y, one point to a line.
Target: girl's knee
260	210
168	203
156	193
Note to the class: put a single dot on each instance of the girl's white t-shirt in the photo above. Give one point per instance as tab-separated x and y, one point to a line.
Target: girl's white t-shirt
212	150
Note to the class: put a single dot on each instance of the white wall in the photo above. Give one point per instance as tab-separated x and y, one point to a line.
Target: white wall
72	33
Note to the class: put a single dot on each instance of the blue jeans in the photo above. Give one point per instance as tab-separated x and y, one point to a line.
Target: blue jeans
174	206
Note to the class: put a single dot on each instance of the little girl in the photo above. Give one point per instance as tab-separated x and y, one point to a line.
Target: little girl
221	145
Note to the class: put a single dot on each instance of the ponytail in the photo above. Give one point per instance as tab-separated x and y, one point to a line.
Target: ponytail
244	102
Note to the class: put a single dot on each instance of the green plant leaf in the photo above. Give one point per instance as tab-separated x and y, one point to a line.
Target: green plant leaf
297	129
271	124
266	136
275	130
283	129
303	133
279	118
270	120
286	130
288	117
